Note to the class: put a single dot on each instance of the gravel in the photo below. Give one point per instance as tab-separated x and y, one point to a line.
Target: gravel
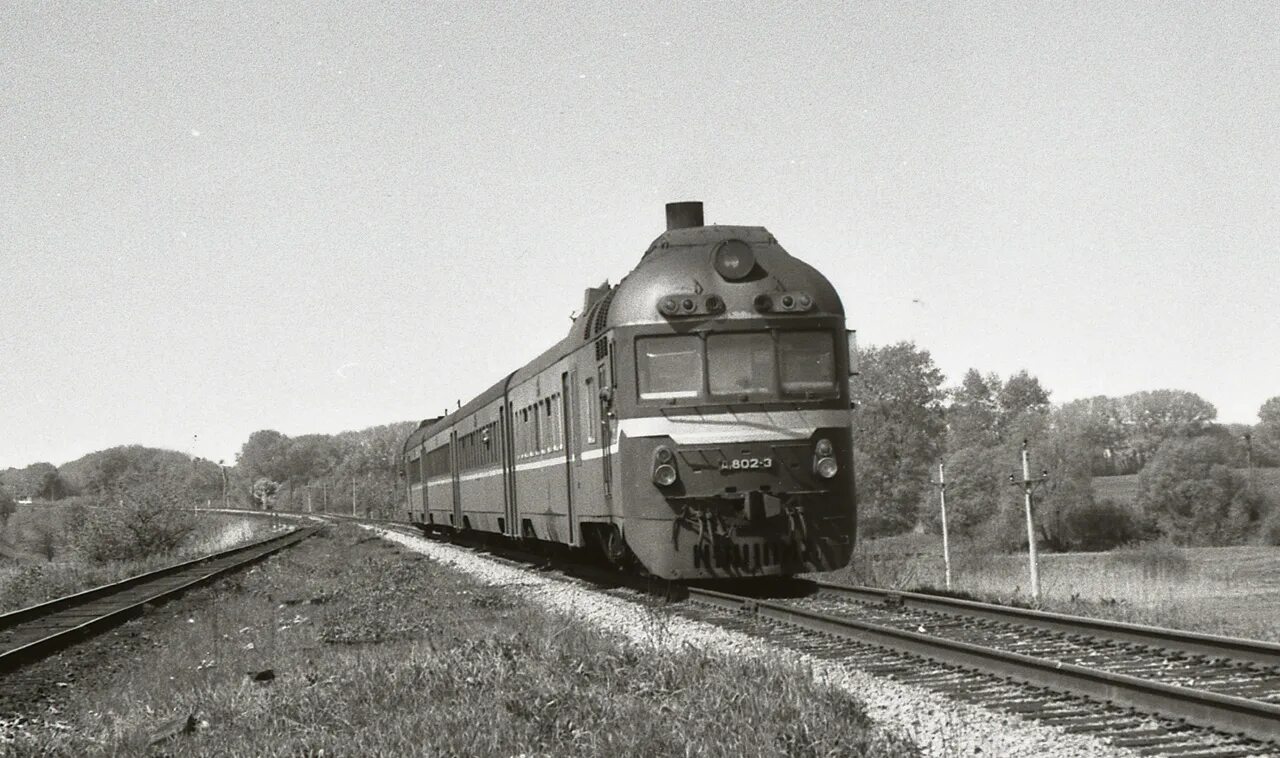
941	727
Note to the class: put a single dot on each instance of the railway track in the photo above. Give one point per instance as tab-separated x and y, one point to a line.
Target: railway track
32	633
1158	691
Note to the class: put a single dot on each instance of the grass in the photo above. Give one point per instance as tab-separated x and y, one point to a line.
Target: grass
375	651
28	575
1217	590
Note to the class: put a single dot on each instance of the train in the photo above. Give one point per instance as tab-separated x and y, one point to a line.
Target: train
694	424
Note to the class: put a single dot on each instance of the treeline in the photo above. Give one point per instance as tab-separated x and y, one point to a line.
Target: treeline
908	421
272	471
325	472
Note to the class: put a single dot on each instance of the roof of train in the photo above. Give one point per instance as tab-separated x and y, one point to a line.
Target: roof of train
678	261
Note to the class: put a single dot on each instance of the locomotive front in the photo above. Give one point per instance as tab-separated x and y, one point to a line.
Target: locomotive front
732	406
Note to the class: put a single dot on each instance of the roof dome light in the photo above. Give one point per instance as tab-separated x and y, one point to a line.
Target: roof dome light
733	259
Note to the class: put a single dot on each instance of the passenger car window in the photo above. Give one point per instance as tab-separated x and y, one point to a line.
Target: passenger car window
740	364
669	366
808	363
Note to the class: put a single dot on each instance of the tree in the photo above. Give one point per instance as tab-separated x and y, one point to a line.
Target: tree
1153	417
1269	416
51	486
1020	395
1189	493
107	471
1064	503
264	490
971	416
140	520
975	486
1266	439
8	507
898	432
265	454
1097	423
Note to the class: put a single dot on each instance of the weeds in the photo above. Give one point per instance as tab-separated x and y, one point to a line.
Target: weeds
35	578
445	666
1228	590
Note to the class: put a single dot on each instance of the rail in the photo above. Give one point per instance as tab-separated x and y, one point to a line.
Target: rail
1256	718
31	633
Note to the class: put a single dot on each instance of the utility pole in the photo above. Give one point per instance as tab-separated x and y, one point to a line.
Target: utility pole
195	502
1248	456
309	509
942	499
1028	484
225	502
353	495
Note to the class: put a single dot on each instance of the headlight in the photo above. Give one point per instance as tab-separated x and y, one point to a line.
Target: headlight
733	259
826	467
662	454
823	448
664	475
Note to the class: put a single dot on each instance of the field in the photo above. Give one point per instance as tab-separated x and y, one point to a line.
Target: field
348	645
1223	590
1124	489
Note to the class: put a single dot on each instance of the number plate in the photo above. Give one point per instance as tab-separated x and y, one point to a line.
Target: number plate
746	464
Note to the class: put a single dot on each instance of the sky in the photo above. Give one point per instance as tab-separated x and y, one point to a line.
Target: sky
310	217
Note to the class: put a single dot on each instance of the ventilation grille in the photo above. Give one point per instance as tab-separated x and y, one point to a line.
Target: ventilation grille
598	316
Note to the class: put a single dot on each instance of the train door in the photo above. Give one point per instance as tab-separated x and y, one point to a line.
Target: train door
454	464
508	470
604	399
592	477
570	441
422	476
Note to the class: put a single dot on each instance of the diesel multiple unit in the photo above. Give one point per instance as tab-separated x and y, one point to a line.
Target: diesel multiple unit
695	420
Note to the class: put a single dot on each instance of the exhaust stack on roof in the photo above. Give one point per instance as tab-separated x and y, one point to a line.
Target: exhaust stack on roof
684	215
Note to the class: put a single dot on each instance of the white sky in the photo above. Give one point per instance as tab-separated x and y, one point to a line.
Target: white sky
217	218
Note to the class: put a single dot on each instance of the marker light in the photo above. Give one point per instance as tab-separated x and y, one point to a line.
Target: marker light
665	475
733	259
669	306
714	303
662	454
763	303
823	448
826	467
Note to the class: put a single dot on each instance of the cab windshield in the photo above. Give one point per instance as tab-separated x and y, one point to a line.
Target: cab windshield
669	367
738	366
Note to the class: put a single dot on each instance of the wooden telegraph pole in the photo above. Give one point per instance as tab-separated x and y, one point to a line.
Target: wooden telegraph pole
1028	484
226	498
1248	454
942	500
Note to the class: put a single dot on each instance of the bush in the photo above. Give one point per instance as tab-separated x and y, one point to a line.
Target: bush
1189	494
1100	525
1269	533
138	522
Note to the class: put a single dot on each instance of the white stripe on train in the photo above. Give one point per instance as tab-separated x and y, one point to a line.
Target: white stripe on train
708	428
752	426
